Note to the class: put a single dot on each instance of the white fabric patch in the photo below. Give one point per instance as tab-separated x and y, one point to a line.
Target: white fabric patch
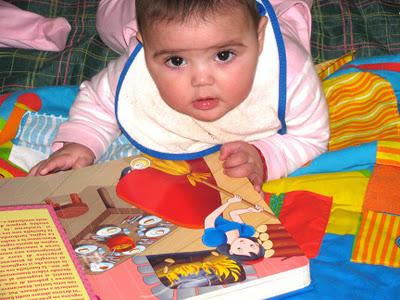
24	157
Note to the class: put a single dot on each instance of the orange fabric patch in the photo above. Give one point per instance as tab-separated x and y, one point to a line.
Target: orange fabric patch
383	193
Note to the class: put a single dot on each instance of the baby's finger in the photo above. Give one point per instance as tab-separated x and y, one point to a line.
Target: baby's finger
256	180
53	165
236	160
34	170
80	163
243	170
229	149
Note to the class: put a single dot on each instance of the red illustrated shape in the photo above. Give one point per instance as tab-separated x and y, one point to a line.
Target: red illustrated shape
120	243
171	197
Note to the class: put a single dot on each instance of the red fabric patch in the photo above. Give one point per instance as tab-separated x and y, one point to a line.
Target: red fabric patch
305	216
395	67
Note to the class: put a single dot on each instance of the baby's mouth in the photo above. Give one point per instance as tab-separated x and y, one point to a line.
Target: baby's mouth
206	103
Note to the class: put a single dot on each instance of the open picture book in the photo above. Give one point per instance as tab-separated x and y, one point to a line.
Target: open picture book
153	229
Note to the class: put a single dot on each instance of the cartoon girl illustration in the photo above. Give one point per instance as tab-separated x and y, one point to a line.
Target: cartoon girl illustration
232	238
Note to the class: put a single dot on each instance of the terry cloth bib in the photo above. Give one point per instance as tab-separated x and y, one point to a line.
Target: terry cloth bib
158	130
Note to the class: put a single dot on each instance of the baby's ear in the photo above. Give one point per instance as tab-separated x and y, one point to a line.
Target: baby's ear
262	24
139	37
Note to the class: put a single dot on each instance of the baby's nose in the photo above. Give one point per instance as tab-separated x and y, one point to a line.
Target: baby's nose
202	76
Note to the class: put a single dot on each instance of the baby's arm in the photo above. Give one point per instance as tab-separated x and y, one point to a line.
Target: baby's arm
92	121
306	110
91	126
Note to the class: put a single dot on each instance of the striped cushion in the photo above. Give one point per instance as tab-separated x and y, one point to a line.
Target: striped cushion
388	153
363	102
377	240
328	67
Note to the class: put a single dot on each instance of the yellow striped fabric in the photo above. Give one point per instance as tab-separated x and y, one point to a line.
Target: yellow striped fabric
388	153
326	68
376	240
362	108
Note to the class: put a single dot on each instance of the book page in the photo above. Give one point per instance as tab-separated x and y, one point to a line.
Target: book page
34	261
137	225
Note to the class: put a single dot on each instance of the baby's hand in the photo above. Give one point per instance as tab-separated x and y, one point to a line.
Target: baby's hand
70	156
241	159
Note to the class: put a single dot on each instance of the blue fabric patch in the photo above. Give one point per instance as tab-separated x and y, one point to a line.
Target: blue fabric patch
56	100
354	158
335	277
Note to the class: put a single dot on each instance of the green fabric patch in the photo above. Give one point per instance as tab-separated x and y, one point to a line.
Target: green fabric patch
276	203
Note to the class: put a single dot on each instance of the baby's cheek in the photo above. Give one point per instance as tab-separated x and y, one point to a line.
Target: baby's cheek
239	86
175	96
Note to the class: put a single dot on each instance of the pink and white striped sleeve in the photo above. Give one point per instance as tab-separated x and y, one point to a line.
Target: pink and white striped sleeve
307	127
92	120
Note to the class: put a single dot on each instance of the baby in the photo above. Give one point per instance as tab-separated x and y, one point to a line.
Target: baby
206	75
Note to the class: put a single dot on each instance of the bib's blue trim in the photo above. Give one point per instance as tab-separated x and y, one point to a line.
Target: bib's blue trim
282	65
281	104
173	156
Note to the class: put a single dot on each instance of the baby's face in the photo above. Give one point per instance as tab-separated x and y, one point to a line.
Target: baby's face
204	68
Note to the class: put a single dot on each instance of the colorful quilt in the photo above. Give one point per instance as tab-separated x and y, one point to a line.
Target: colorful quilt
343	208
359	253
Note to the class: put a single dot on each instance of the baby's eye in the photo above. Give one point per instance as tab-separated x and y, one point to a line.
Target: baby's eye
224	56
175	61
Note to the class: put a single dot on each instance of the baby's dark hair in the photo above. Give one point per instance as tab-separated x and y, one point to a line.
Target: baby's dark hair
224	249
181	10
